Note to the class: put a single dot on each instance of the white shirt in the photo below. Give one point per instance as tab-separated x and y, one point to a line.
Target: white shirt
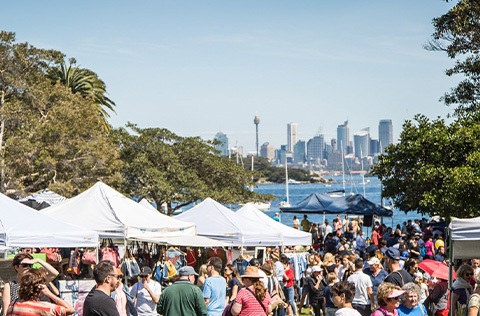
145	304
362	283
347	312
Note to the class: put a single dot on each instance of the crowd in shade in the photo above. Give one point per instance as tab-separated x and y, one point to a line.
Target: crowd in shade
400	270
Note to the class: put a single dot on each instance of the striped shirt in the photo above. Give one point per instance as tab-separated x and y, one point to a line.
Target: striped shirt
250	305
32	308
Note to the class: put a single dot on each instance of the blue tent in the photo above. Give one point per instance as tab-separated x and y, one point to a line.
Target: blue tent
325	204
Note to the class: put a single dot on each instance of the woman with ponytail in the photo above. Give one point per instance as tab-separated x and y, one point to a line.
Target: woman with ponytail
253	299
32	285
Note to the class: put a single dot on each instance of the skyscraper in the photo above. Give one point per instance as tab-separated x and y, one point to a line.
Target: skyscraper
292	135
361	141
343	136
315	149
223	146
385	134
299	152
267	151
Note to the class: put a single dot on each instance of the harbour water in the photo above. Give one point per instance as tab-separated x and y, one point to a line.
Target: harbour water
353	184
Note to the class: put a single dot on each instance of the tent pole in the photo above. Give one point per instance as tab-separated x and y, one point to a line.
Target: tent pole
450	270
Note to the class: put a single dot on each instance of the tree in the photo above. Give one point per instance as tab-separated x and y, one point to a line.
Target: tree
458	34
434	169
176	171
86	83
22	67
50	136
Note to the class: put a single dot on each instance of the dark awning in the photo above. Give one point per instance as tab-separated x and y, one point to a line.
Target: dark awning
325	204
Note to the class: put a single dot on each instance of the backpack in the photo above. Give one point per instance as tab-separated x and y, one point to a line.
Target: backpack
423	251
228	309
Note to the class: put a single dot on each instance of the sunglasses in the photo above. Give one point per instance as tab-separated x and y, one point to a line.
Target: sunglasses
25	265
394	298
468	274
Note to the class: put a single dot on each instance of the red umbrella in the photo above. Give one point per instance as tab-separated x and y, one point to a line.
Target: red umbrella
435	269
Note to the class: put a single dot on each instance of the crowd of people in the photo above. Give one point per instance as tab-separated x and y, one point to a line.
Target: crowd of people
345	273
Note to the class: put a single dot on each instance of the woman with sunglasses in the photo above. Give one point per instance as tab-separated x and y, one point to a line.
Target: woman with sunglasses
22	263
462	287
388	297
31	287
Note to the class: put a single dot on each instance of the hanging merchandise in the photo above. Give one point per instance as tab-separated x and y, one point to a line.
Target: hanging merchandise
53	257
129	266
74	263
110	252
89	256
191	258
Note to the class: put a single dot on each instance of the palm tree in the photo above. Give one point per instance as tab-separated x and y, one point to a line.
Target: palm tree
87	83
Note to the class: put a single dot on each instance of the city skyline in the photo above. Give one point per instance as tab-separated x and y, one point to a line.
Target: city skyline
362	143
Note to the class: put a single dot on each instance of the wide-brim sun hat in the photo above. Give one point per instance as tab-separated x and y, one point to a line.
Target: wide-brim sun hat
251	272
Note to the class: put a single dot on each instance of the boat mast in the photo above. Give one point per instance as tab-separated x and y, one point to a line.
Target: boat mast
286	182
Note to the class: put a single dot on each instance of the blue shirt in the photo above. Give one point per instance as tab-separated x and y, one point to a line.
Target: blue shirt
215	289
417	311
376	280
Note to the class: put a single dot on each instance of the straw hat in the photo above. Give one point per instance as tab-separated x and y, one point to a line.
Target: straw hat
267	268
251	272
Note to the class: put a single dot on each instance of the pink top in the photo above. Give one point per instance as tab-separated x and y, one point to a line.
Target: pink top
250	305
429	246
377	312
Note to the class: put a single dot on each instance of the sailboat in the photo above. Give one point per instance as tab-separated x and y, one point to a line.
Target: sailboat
262	206
286	203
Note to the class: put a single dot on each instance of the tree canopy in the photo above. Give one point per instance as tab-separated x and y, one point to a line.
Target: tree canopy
49	137
176	171
434	168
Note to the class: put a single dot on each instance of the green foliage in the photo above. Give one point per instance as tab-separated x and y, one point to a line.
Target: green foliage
458	34
49	137
177	171
86	83
434	168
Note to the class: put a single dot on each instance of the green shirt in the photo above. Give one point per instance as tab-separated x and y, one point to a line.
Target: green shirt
182	298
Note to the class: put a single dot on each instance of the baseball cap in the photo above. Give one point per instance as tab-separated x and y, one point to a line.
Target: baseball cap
315	269
374	260
186	271
405	255
145	271
393	253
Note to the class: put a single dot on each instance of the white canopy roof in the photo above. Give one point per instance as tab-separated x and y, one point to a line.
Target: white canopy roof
216	221
22	226
289	236
113	215
45	195
147	205
465	234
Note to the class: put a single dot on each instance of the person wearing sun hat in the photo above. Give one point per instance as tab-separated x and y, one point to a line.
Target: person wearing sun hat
388	297
253	299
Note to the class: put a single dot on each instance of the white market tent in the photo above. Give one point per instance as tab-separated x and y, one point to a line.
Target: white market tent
465	236
46	196
216	221
148	205
289	236
464	240
22	226
113	215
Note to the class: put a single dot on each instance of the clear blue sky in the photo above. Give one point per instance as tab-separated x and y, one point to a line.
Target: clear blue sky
199	67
